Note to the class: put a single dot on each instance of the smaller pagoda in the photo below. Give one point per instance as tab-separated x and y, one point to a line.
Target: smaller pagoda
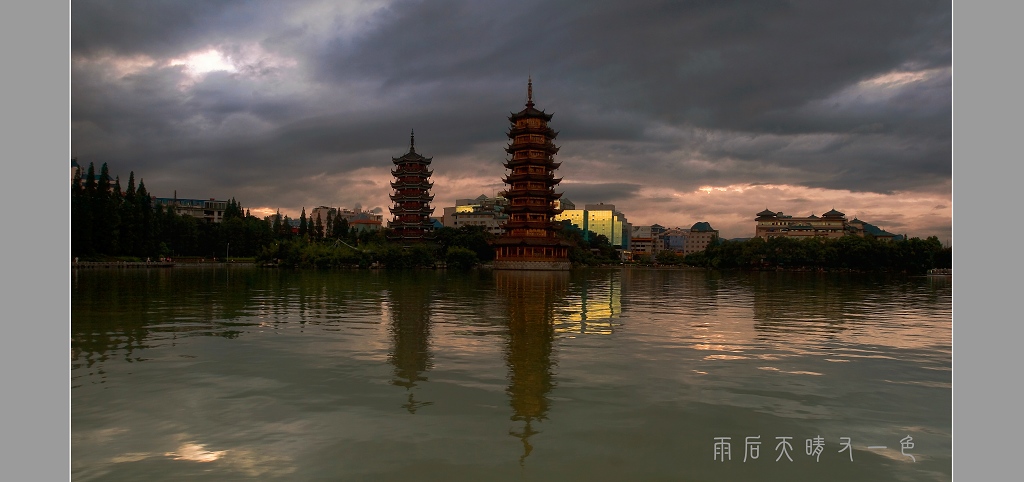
412	196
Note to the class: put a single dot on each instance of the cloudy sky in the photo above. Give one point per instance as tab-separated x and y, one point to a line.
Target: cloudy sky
674	111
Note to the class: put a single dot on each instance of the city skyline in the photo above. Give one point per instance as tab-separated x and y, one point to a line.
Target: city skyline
675	113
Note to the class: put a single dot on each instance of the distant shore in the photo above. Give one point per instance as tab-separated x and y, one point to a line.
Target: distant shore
158	264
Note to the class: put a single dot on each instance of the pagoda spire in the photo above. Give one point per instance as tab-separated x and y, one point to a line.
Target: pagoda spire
412	140
529	91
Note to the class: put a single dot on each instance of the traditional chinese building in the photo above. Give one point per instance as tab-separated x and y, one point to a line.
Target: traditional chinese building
529	241
832	224
412	197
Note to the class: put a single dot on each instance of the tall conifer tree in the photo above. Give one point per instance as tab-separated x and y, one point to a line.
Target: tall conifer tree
318	231
104	217
147	227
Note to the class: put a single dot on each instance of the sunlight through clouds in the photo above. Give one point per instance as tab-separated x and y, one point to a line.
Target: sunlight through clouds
199	63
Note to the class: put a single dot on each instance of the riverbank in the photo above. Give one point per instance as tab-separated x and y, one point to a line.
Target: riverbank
153	264
122	264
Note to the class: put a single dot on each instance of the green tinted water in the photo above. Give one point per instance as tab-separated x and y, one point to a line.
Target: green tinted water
241	373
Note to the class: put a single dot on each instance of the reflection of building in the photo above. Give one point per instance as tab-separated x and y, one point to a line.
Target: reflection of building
531	300
209	210
409	298
529	241
412	197
592	302
486	212
825	304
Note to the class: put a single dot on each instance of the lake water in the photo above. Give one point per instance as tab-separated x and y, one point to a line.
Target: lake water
236	373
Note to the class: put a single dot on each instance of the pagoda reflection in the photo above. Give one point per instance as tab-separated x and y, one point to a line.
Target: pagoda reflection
531	299
409	295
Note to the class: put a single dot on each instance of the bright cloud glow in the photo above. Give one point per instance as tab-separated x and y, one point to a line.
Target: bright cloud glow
199	63
882	88
896	79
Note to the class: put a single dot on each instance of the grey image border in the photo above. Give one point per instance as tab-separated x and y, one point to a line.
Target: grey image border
36	363
985	36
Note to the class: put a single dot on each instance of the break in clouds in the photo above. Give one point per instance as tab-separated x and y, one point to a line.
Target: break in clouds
676	112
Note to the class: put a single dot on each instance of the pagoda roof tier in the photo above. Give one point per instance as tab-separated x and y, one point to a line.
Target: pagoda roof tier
401	211
535	193
549	179
411	172
548	163
529	241
411	185
411	158
546	147
527	225
410	197
426	208
532	208
418	222
403	225
530	112
545	131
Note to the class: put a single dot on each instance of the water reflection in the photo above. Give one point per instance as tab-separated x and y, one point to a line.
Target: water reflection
592	301
270	372
809	308
409	298
531	298
802	303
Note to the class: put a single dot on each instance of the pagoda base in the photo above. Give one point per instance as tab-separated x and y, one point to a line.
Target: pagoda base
533	264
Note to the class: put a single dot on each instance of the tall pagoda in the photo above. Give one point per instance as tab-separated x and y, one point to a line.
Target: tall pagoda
529	241
412	197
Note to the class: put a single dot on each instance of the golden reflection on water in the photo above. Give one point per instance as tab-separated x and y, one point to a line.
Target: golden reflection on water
590	306
530	297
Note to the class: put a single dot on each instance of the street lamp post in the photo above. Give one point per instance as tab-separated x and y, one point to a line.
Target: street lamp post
227	256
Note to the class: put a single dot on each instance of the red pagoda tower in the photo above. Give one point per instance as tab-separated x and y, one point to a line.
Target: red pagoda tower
412	196
529	241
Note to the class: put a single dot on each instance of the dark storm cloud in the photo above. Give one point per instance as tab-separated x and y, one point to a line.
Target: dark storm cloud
719	64
163	27
593	193
646	95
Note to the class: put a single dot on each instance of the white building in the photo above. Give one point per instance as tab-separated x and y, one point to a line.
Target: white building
483	211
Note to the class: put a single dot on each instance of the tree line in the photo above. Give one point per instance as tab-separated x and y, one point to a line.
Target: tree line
852	253
107	222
